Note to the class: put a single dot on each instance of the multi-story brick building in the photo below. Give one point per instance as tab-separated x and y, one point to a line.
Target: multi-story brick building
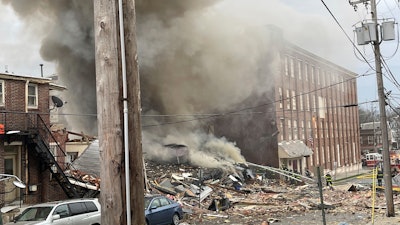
29	149
316	100
305	117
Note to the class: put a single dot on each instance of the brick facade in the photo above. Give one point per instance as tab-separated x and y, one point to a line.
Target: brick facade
16	116
315	96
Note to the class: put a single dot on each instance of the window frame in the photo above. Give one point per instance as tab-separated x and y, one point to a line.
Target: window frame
35	96
2	93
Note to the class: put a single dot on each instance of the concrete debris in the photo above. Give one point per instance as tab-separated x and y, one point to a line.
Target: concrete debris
215	195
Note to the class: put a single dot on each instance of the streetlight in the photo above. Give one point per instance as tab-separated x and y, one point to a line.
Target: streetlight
17	182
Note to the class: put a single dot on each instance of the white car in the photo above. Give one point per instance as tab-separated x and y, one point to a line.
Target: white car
68	212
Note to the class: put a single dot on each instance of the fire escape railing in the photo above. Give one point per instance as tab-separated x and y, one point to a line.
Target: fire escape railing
41	139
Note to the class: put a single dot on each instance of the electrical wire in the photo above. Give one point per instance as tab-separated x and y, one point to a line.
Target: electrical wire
236	112
347	36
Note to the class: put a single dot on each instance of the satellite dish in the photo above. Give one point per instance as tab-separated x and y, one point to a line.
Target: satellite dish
19	184
57	102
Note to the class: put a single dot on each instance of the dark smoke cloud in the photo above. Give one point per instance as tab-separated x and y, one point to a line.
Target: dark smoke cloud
68	41
196	57
192	60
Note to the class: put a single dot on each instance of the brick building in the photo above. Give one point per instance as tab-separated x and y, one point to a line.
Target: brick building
306	119
28	148
315	105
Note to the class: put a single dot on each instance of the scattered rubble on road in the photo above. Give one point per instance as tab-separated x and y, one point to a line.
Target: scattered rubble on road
249	194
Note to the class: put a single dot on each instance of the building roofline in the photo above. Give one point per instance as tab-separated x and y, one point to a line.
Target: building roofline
41	80
292	47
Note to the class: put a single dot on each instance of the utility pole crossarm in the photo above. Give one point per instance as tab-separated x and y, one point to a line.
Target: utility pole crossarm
382	104
352	3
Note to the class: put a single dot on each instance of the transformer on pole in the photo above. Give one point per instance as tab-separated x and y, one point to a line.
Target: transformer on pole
367	33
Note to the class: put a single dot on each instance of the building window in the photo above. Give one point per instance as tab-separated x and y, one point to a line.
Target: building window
301	101
342	83
370	140
306	71
288	99
32	95
287	66
2	92
314	106
299	68
294	100
280	98
321	124
308	102
291	67
312	74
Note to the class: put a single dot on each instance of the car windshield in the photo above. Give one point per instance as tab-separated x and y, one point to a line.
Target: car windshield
34	214
147	201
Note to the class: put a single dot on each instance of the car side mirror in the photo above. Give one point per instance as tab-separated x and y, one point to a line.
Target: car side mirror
55	217
153	207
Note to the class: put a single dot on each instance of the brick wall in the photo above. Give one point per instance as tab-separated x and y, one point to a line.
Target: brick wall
13	115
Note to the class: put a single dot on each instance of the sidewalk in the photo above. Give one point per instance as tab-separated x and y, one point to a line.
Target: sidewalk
351	174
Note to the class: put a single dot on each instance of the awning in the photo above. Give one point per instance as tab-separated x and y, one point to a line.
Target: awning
293	149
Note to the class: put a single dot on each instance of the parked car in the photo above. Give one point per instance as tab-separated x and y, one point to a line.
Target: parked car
160	210
75	211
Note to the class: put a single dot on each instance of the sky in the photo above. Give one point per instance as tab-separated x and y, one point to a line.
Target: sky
306	23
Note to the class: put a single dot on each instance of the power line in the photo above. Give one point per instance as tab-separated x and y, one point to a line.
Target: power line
236	112
347	36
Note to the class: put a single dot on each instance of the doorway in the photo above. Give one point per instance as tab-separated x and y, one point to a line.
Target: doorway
11	166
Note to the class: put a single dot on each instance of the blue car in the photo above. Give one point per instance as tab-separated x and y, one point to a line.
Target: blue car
160	210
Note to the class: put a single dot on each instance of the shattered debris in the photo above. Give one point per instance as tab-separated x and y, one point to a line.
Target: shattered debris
214	196
248	196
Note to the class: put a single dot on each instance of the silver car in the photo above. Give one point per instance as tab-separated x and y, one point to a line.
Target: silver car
69	212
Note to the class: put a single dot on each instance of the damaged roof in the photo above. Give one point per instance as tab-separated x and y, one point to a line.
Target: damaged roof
89	160
293	149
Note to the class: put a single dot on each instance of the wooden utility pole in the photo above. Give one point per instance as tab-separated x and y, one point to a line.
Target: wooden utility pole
134	122
387	176
111	113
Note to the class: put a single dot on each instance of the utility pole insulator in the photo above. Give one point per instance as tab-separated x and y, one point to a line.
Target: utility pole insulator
373	35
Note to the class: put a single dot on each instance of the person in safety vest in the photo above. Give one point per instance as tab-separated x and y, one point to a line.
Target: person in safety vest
328	179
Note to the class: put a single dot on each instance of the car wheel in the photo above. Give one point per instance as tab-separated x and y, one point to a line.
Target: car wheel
175	219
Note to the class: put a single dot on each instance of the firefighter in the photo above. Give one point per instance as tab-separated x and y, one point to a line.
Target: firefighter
328	179
379	177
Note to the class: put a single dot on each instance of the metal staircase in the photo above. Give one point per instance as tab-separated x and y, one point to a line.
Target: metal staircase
43	151
39	139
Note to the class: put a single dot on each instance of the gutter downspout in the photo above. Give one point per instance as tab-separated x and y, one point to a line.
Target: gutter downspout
125	105
26	95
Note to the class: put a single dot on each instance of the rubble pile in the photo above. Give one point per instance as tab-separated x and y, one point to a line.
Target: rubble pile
251	194
211	196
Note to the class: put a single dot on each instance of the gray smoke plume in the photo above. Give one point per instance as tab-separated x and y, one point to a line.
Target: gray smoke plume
68	41
196	58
